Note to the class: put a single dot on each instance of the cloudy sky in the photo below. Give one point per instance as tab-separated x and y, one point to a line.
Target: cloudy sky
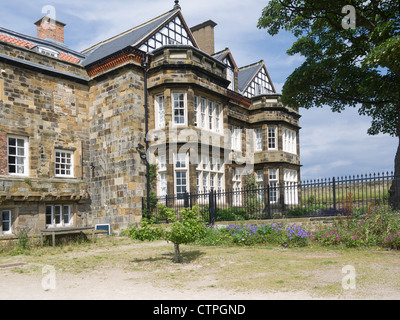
332	144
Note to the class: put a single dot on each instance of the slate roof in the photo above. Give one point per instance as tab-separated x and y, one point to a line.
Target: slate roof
246	74
132	37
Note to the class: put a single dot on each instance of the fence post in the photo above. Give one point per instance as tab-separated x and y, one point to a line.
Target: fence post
186	200
211	208
268	202
334	193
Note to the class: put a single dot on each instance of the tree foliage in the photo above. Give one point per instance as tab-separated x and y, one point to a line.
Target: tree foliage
355	67
344	67
185	229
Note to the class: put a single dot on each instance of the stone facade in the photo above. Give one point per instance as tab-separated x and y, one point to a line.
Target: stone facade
70	130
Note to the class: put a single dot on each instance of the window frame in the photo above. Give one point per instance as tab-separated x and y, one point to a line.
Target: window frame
272	138
259	141
72	164
181	169
273	182
289	140
159	122
162	175
204	119
184	101
25	164
290	179
210	168
9	231
236	141
61	215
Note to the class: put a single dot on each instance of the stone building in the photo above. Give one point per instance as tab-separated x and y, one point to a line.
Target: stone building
71	123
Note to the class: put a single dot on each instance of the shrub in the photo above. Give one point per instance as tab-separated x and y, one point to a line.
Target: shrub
372	229
187	229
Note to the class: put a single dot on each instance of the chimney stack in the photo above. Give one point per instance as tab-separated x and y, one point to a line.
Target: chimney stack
204	35
48	28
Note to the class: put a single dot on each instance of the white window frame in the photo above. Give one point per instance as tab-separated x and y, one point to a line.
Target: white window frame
71	165
58	220
196	111
159	104
237	187
218	122
258	134
211	111
48	52
291	186
272	138
175	100
208	114
203	113
163	186
210	168
162	175
273	177
9	221
289	138
259	175
182	168
236	141
25	157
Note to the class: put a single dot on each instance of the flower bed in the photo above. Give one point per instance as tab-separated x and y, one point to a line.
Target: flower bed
379	228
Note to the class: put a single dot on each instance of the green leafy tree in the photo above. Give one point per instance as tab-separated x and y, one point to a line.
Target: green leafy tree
184	230
344	67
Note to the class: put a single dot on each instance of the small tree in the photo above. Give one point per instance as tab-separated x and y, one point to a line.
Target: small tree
252	202
183	230
187	230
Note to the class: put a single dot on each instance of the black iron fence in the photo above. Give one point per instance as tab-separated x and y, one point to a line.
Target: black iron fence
320	197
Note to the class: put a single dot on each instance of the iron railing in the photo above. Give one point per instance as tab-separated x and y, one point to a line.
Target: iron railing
320	197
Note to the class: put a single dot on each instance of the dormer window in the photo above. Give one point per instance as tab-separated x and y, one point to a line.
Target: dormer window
47	51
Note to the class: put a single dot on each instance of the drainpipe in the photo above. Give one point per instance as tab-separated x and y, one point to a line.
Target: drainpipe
145	62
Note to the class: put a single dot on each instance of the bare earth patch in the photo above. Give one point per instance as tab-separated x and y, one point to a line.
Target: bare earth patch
120	269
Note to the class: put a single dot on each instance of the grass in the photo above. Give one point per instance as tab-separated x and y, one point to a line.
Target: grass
242	269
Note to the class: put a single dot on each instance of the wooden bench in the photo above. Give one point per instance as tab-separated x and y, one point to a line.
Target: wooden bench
63	231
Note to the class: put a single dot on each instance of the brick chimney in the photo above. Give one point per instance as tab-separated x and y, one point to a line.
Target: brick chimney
204	35
50	28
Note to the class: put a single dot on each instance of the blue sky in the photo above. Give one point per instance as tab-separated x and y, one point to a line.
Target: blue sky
332	144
